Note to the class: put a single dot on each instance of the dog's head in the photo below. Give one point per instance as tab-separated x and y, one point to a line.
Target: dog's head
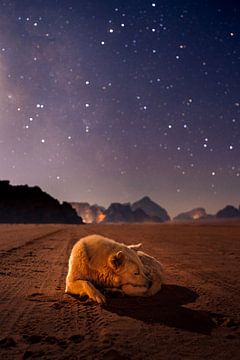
128	268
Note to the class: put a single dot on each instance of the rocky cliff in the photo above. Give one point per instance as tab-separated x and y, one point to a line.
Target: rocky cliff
24	204
144	210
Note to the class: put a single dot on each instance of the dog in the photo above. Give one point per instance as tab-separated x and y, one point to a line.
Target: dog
97	262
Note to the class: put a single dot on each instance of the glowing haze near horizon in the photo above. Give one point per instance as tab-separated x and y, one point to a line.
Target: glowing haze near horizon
108	101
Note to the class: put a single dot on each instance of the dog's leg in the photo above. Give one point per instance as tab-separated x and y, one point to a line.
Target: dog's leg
114	290
82	288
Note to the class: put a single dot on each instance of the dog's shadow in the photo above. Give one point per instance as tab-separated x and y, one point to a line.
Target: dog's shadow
165	308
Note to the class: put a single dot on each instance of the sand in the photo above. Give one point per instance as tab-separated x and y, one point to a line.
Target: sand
195	316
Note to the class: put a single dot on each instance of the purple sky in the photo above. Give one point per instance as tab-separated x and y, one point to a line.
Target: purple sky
110	101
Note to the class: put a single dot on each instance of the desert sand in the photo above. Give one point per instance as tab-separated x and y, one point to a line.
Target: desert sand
196	315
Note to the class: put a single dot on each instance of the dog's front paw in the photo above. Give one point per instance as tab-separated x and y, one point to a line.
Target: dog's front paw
98	297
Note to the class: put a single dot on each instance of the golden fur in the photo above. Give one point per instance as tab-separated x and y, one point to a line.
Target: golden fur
98	262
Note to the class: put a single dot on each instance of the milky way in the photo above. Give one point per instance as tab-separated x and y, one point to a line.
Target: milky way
106	101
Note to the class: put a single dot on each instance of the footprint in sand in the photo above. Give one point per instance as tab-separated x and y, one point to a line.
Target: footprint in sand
7	342
33	339
76	338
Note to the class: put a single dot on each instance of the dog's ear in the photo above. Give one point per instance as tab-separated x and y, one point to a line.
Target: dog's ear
117	259
135	246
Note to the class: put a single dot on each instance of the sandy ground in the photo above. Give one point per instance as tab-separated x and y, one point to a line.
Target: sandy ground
195	316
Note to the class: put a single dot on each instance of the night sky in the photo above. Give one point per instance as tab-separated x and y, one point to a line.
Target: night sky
108	101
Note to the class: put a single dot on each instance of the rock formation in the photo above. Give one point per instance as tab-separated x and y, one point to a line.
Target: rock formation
229	212
194	214
144	210
24	204
123	213
151	208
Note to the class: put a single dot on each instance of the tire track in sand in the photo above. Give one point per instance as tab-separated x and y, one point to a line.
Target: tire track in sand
36	312
14	262
27	272
91	325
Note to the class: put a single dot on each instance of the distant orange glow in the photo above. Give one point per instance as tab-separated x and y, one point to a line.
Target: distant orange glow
100	217
197	215
88	217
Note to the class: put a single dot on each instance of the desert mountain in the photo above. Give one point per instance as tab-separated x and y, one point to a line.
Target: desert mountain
144	210
123	213
24	204
151	208
228	212
194	214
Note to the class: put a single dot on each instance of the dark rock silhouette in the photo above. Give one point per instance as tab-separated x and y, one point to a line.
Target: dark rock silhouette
123	213
24	204
194	214
228	212
151	208
144	210
89	213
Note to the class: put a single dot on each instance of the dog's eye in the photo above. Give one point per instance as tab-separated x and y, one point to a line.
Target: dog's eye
136	273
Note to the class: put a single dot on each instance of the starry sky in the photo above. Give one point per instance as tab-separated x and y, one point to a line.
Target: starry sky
108	101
